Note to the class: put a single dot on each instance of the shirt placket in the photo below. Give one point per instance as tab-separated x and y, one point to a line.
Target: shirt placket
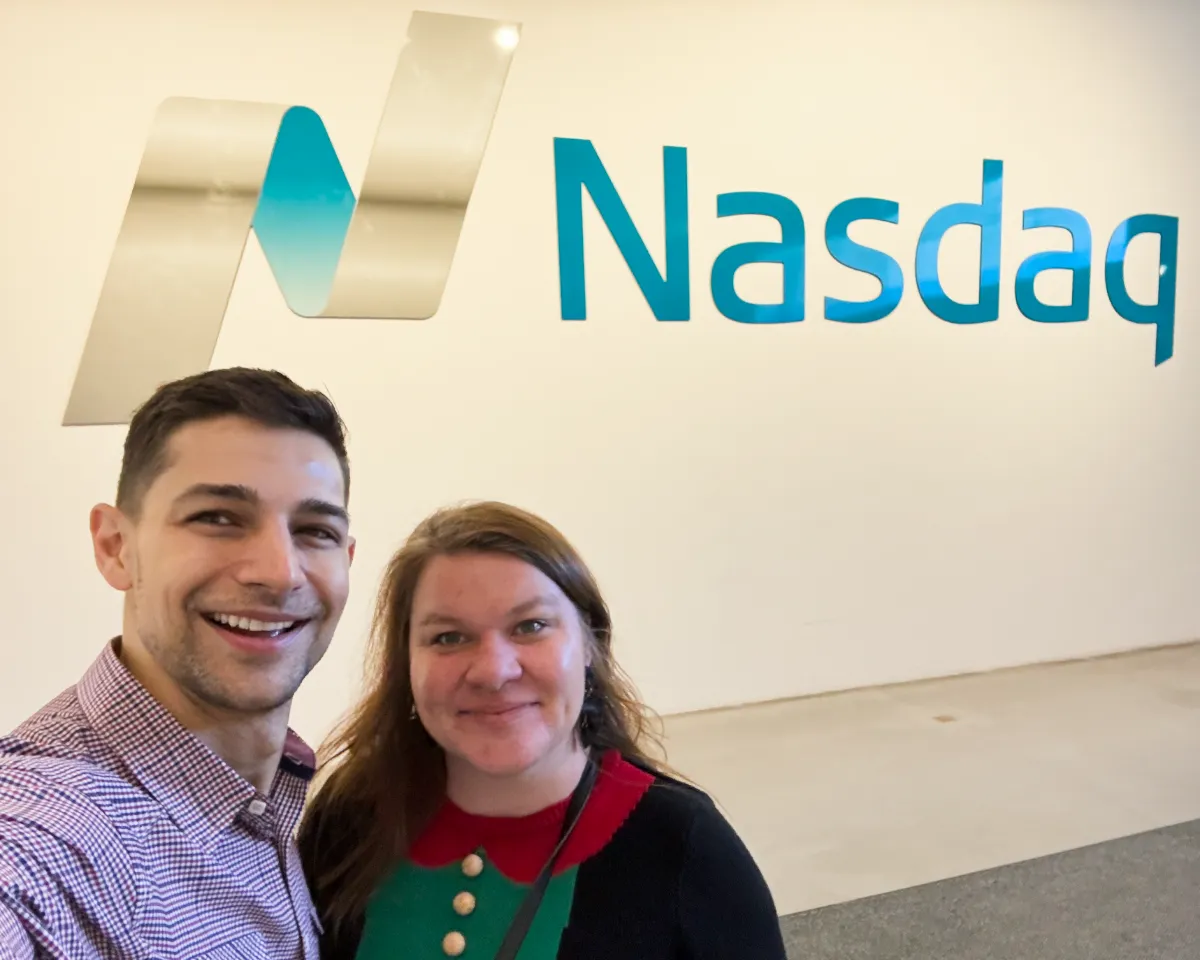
291	874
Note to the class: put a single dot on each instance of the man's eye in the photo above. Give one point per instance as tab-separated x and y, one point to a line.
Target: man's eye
320	533
212	518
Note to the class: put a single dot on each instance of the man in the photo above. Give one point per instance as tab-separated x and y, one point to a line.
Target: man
148	811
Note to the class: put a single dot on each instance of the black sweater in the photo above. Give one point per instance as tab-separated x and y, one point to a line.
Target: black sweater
674	882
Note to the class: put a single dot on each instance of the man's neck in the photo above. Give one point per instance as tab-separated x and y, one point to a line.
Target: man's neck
251	744
253	747
546	783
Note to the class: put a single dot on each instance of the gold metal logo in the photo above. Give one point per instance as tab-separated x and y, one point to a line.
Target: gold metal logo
214	169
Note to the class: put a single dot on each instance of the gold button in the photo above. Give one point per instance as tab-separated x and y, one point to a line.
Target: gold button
464	904
473	865
454	943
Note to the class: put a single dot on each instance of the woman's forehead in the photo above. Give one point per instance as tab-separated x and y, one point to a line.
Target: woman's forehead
493	583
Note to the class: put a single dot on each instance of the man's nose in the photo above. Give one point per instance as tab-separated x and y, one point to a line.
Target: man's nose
494	661
272	559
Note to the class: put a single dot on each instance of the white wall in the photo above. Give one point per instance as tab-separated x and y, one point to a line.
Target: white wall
773	511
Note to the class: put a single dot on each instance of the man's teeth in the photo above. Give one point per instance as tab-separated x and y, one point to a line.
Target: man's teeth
255	626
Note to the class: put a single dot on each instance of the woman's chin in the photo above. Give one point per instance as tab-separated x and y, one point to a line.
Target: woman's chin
501	758
508	763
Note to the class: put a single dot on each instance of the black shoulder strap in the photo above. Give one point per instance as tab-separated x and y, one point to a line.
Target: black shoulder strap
529	906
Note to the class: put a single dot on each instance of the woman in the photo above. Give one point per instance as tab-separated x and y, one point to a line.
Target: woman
491	793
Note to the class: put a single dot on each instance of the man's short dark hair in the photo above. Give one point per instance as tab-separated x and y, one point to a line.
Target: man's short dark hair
266	397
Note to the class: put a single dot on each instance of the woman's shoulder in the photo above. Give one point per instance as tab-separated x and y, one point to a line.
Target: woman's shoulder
670	811
673	796
677	850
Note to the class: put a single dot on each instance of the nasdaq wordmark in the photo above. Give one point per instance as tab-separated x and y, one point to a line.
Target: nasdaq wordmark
667	292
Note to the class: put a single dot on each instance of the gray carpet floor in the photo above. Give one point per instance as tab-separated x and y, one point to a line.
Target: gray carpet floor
1136	898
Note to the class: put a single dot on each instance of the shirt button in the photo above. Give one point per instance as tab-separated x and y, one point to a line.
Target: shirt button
472	866
257	808
464	904
454	943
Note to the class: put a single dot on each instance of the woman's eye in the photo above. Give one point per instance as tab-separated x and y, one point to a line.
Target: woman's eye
446	639
527	627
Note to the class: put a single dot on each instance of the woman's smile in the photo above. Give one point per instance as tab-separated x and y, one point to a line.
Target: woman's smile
499	714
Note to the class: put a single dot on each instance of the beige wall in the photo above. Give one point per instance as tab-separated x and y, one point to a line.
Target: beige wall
772	510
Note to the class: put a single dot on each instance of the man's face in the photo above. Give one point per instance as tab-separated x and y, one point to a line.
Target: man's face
236	569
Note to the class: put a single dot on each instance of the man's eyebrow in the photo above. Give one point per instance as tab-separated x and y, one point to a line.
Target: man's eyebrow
244	494
220	491
324	508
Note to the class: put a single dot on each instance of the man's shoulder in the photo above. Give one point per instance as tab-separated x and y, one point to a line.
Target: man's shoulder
65	830
57	777
68	797
61	839
59	726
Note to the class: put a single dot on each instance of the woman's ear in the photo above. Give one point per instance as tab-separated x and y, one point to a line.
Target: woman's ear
590	642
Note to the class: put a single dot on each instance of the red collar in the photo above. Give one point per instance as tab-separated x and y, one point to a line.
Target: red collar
519	846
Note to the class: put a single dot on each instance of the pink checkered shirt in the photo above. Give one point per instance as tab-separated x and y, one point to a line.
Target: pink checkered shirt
123	837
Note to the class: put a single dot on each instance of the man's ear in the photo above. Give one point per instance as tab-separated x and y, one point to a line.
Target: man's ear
110	544
350	549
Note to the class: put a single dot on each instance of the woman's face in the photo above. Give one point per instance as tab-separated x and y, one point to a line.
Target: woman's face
498	655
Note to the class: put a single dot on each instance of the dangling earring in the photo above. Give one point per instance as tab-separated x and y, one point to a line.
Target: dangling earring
589	689
413	713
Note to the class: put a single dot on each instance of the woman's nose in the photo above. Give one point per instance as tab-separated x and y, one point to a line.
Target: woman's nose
494	661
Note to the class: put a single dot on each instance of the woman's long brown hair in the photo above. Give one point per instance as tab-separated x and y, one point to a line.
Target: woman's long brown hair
382	775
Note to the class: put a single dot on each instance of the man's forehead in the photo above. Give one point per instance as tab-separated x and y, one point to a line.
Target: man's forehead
270	461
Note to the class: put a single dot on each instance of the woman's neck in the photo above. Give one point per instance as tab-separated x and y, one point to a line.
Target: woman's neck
549	781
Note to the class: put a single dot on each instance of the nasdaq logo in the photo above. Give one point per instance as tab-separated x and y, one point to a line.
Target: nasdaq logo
212	170
577	167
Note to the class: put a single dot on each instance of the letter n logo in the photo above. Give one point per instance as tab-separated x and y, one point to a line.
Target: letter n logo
213	169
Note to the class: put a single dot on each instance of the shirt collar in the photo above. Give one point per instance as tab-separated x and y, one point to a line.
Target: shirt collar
198	789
